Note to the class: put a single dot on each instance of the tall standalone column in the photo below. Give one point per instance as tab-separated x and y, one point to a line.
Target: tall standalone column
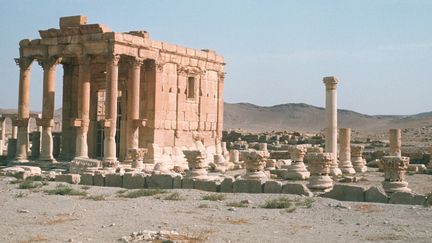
82	123
47	122
395	142
133	98
345	151
2	134
110	158
331	122
23	109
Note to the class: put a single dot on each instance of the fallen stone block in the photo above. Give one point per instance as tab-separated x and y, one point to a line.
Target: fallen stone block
160	181
22	171
248	186
407	198
227	184
114	180
99	179
188	183
133	180
272	187
376	194
68	178
346	193
87	179
297	189
210	186
177	182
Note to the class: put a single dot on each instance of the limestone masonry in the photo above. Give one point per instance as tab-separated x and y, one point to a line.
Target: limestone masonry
121	91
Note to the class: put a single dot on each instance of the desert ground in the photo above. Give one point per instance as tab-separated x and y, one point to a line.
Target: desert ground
108	214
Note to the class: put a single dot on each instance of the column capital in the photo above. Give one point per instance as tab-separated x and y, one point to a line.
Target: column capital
135	62
49	62
330	82
24	62
113	59
84	60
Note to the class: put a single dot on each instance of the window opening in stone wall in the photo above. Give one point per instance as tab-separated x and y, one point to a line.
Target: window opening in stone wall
191	88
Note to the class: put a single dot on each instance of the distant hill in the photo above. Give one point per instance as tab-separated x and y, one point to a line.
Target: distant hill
301	117
304	117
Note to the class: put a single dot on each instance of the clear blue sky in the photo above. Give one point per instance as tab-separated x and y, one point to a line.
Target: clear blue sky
276	51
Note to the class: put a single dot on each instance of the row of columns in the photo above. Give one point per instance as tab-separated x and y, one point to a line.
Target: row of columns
82	121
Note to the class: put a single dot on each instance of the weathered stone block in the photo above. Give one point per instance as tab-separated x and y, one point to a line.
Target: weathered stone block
132	180
210	186
376	194
72	21
87	179
68	178
188	183
177	182
248	186
297	189
160	181
99	180
227	185
407	198
346	193
114	180
272	187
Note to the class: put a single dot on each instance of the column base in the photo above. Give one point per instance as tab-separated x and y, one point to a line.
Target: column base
335	171
320	183
395	186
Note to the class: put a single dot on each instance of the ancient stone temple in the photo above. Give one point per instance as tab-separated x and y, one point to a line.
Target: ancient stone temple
121	91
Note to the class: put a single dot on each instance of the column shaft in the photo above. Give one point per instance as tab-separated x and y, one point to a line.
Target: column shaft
110	158
47	122
23	109
83	107
395	142
133	98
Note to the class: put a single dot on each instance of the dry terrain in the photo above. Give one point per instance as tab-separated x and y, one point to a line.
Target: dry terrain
32	215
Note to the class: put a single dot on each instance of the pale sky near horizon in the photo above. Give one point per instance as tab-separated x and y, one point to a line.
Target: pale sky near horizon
276	51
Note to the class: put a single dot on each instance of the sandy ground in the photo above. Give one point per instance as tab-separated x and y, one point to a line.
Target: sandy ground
33	216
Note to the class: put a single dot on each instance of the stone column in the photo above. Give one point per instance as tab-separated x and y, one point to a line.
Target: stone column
47	122
197	164
395	142
2	134
82	123
133	98
255	162
357	160
319	167
297	170
110	158
23	109
345	151
394	174
331	122
220	106
234	155
14	134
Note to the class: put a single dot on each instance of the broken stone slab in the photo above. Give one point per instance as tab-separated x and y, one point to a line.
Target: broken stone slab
162	181
99	179
297	189
134	180
87	179
207	185
346	193
248	186
114	180
272	187
227	184
407	198
22	172
376	194
68	178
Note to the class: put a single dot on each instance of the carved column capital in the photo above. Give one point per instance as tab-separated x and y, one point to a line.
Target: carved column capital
24	62
49	62
113	59
135	62
330	82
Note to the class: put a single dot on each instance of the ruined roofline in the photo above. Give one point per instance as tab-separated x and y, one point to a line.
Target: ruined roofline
75	34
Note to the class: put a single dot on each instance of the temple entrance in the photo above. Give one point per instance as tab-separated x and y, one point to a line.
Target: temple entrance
100	135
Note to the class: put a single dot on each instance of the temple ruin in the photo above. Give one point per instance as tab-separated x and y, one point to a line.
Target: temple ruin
121	91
